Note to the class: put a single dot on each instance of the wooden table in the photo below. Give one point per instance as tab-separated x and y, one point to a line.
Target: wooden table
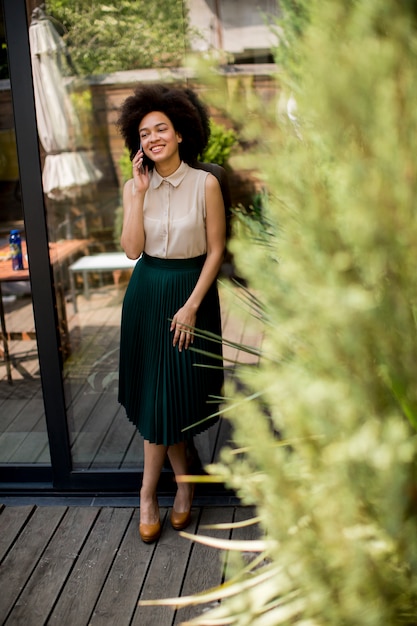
59	252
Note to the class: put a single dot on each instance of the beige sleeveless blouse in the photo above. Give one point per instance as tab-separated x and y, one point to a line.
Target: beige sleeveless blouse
175	214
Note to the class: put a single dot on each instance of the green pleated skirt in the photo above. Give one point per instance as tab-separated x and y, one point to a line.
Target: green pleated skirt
166	393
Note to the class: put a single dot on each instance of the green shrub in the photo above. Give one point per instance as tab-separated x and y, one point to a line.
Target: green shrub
123	35
125	165
220	144
335	275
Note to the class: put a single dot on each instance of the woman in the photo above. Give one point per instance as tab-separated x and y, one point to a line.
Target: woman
171	374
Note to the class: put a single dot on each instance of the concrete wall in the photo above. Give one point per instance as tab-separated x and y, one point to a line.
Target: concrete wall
238	29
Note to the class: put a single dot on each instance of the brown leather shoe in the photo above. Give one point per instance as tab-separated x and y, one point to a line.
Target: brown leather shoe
179	521
150	532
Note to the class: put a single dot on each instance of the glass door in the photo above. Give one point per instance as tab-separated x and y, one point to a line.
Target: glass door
60	322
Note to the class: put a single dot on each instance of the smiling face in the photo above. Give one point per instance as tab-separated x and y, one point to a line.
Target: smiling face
160	140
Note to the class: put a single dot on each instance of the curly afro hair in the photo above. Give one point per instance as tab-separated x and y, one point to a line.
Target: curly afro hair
187	113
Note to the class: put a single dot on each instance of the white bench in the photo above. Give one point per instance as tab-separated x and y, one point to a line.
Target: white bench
104	262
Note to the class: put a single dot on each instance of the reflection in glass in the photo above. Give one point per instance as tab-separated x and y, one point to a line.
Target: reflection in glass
23	437
82	160
81	197
90	270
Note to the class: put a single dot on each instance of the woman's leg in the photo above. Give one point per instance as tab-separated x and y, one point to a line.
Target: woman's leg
154	456
177	455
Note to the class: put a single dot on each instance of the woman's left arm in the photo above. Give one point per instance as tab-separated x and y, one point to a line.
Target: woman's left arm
185	318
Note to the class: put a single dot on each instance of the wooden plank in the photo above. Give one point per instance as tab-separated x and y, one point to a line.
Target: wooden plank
89	353
92	345
14	407
12	520
19	335
115	443
205	443
246	533
206	567
88	360
81	411
165	576
223	439
16	433
44	455
93	410
42	590
91	569
21	362
31	448
22	559
19	389
118	600
84	565
24	364
133	458
250	533
19	315
88	442
32	444
40	451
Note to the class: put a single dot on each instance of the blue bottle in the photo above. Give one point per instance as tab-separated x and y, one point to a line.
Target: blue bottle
16	250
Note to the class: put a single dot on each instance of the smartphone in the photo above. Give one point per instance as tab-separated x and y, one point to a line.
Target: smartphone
141	169
146	162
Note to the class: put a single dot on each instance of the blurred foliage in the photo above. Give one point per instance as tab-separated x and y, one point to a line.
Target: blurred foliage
124	35
252	220
125	166
220	144
293	20
255	210
81	99
324	429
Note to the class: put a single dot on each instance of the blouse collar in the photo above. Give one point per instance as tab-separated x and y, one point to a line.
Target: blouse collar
175	178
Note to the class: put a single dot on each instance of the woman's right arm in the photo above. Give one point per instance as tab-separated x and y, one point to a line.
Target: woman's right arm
133	234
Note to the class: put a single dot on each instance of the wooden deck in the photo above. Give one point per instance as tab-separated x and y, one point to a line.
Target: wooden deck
86	566
101	436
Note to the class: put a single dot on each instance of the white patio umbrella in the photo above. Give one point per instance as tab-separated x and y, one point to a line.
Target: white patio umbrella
68	167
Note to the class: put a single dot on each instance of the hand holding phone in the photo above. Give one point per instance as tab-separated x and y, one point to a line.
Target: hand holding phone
140	172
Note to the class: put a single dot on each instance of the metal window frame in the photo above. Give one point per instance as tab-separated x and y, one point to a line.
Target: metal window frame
41	277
